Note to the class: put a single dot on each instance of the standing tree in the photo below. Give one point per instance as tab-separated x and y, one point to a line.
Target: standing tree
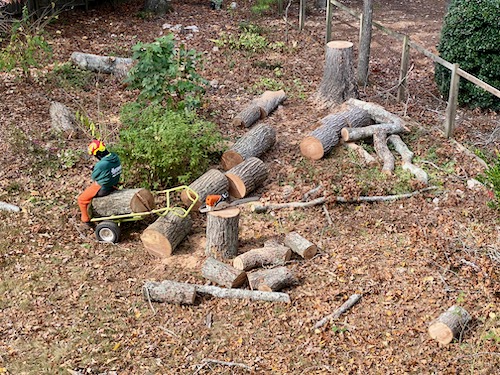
364	43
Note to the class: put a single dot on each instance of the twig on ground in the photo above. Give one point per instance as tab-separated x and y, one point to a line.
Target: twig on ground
342	309
208	361
311	192
149	302
327	214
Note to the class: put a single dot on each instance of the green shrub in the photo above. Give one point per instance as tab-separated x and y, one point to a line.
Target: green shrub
160	147
246	41
470	37
491	179
167	74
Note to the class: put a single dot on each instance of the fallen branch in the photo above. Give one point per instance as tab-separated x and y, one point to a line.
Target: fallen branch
207	361
407	158
365	155
342	309
311	193
8	207
383	152
263	209
252	295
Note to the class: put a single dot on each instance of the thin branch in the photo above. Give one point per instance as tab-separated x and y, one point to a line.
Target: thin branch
342	309
385	198
208	361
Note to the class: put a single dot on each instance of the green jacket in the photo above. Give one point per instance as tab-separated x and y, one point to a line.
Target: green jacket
107	171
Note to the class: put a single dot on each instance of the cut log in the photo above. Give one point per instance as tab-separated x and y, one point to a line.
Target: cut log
246	177
378	113
63	120
123	202
169	291
383	152
300	245
248	116
269	255
363	154
272	279
252	295
211	182
253	144
339	81
162	237
355	134
223	274
407	158
449	324
269	101
222	233
102	64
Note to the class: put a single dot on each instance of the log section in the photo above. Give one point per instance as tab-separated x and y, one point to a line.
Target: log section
449	324
222	233
246	177
169	291
355	134
123	202
254	143
300	245
211	182
269	255
223	274
383	152
269	101
407	158
247	116
102	64
271	280
378	113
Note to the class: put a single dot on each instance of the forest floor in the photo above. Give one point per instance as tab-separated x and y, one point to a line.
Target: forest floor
72	305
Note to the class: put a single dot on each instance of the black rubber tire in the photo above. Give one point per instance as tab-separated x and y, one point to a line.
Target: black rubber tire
107	231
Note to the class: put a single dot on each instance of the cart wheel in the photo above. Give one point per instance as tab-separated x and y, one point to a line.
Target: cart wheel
107	231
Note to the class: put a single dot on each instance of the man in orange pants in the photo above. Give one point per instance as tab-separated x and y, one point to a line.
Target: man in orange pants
105	176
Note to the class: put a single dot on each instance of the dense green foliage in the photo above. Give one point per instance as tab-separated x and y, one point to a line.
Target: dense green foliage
471	38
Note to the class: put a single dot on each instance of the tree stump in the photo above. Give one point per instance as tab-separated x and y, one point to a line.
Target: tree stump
158	7
211	182
270	255
63	120
162	237
223	274
383	152
247	116
355	134
339	81
449	324
123	202
246	177
254	143
272	279
269	101
169	291
222	233
102	64
300	245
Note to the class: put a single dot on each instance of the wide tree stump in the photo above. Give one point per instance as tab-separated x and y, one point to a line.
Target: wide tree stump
449	324
169	291
272	279
63	120
248	116
272	254
223	274
123	202
339	81
162	237
324	138
222	233
383	152
102	64
407	158
355	134
254	143
211	182
300	245
269	101
246	177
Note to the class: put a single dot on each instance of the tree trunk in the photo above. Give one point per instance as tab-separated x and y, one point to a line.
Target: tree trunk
102	64
364	43
246	177
449	324
123	202
210	183
271	280
269	101
254	143
407	158
269	255
247	116
63	120
223	274
162	237
338	83
383	152
158	7
222	233
169	291
300	245
355	134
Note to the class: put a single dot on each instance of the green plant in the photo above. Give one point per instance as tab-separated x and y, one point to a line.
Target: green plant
69	76
469	37
166	73
491	178
246	41
267	84
162	147
262	6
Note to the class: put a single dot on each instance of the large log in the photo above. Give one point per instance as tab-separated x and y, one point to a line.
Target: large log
449	324
407	158
211	182
223	274
254	143
378	113
355	134
272	279
269	255
123	202
222	233
339	82
162	237
300	245
102	64
247	116
246	177
269	101
383	152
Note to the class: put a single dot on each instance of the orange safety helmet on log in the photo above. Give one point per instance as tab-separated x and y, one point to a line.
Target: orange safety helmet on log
96	146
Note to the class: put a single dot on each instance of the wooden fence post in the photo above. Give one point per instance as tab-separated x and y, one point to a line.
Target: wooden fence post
302	14
403	72
451	108
328	21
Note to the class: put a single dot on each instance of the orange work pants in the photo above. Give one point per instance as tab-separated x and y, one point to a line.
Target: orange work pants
85	198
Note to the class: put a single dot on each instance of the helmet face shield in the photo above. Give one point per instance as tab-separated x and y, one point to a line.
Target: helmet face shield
96	146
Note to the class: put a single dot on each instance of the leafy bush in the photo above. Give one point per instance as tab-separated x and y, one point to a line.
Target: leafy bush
246	41
491	179
164	73
162	147
470	37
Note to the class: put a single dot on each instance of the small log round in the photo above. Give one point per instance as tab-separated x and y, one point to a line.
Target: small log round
246	177
63	120
383	152
223	274
162	237
300	245
449	324
355	134
211	182
123	202
222	233
269	255
272	279
169	291
248	116
254	143
269	101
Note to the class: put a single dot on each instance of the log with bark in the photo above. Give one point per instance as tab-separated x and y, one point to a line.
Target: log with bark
341	310
223	274
277	206
355	134
339	81
162	237
253	144
272	254
407	158
9	207
222	233
248	116
378	113
246	177
63	120
123	202
211	182
271	279
362	153
449	324
118	66
269	101
383	152
300	245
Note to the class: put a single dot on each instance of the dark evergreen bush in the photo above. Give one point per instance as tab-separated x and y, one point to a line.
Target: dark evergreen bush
471	38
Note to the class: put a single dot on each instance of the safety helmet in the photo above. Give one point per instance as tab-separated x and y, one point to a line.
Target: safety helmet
95	146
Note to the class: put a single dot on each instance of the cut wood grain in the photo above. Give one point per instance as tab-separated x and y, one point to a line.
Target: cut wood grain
123	202
223	274
300	245
246	177
449	324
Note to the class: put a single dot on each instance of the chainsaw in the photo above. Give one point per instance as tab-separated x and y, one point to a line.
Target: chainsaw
220	202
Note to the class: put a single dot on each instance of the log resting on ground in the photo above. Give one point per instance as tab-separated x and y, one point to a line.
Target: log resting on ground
102	64
248	116
246	177
407	158
269	101
123	202
271	254
355	134
223	274
272	279
383	152
449	324
300	245
363	154
211	182
378	113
